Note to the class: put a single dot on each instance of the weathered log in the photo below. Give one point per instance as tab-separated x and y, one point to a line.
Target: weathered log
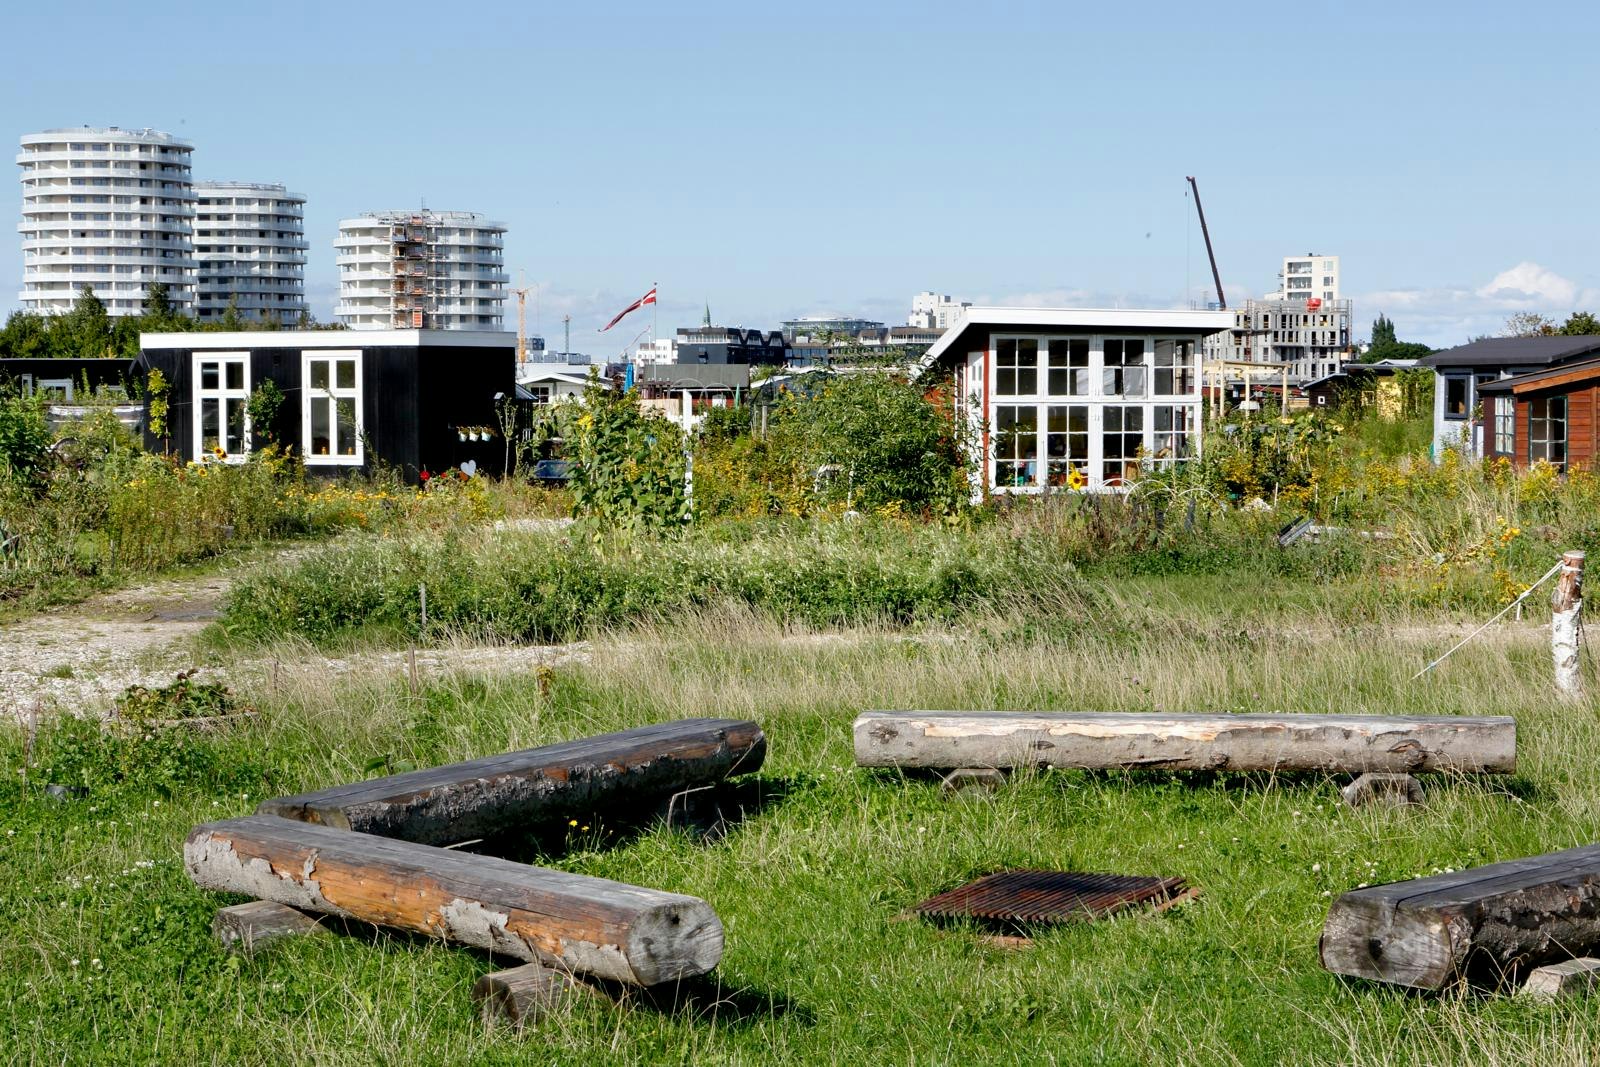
1105	740
1376	786
1494	920
570	921
484	797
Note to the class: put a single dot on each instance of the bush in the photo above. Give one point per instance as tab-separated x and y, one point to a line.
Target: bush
24	435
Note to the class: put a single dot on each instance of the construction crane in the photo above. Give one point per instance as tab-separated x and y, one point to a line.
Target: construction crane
522	321
1222	301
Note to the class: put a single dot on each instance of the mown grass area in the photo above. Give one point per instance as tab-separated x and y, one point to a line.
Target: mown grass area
108	955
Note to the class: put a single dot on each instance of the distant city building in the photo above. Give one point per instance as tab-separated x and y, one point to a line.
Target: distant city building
1304	324
656	353
810	327
1308	277
250	244
107	208
730	345
435	270
931	311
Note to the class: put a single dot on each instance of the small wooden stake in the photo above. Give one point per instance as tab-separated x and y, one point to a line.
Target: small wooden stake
245	929
526	994
411	670
1566	624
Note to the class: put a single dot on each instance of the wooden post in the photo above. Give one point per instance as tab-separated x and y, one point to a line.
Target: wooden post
522	996
1566	624
572	922
245	929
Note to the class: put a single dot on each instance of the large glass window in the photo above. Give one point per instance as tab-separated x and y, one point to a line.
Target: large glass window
1455	396
1123	373
330	412
1121	437
1069	366
1016	366
1066	441
1505	425
1175	368
1016	445
1174	432
1547	430
221	394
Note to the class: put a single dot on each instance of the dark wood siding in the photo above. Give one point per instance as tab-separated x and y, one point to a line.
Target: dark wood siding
1580	426
1520	459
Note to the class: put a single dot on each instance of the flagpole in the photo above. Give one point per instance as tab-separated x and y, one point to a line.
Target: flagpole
655	287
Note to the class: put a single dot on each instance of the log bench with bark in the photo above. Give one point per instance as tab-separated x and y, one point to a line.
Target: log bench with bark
1490	922
482	798
1186	742
579	924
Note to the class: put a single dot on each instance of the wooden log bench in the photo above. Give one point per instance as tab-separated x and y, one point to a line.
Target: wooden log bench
572	922
1108	740
1491	921
481	798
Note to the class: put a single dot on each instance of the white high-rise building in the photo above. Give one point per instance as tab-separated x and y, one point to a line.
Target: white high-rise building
436	270
109	208
1308	277
250	242
932	311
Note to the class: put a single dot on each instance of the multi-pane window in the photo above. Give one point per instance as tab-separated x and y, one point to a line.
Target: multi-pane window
1455	397
1121	437
1174	432
1123	373
221	396
330	412
1017	366
1016	444
1066	444
1547	430
1505	425
1175	368
1069	366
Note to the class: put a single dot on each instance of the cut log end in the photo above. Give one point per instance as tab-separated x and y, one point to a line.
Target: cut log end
1363	939
675	941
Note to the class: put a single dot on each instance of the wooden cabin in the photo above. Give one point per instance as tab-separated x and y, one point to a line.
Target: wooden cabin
1460	418
1548	415
411	399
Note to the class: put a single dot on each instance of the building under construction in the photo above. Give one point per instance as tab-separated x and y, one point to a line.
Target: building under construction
423	270
1311	336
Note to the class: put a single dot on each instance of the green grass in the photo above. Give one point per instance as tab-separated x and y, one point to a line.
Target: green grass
815	969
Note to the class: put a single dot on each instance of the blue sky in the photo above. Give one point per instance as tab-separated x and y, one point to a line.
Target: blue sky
838	158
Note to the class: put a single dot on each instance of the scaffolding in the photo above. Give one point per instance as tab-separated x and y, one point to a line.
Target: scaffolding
416	265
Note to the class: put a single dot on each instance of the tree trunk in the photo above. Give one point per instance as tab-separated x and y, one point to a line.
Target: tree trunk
570	921
1103	740
484	797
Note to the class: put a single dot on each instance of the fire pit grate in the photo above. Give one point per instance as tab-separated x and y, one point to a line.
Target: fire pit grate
1016	898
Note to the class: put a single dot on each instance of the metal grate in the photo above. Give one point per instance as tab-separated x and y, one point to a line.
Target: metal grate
1048	896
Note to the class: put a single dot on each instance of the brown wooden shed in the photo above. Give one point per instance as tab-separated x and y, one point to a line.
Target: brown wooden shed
1548	415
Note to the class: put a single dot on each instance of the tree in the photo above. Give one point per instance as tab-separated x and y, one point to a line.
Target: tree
88	327
1383	331
1580	323
25	336
158	301
231	319
1529	324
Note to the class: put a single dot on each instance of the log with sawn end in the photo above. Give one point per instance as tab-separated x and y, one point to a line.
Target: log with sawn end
1487	921
571	921
484	797
1177	742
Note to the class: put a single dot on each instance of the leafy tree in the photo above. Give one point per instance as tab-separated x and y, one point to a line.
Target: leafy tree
628	469
886	444
1383	331
26	335
1529	324
1580	323
88	327
24	435
158	302
231	319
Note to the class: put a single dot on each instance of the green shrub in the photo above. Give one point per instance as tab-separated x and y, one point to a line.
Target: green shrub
24	435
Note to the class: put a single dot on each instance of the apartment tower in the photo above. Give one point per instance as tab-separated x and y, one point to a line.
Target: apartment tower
250	243
435	270
107	208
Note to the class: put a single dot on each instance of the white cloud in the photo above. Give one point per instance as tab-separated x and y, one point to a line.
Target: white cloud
1530	284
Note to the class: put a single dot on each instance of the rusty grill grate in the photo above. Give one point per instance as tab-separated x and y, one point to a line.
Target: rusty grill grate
1016	897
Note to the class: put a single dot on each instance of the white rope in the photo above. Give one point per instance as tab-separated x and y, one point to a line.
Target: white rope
1520	598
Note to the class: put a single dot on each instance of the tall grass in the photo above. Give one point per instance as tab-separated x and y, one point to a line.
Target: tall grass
816	969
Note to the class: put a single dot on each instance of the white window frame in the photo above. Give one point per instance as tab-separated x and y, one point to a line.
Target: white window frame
220	395
335	394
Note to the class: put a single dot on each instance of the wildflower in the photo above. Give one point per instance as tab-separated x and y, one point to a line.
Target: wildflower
74	963
1315	867
574	822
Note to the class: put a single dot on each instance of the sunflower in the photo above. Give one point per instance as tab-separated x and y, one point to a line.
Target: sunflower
1076	479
